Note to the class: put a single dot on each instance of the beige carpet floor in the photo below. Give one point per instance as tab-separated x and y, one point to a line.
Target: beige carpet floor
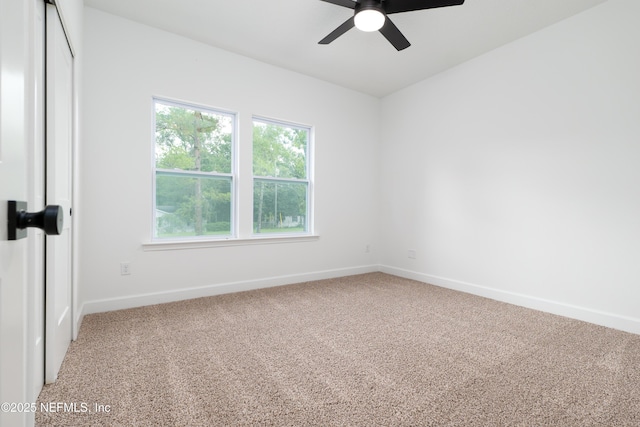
366	350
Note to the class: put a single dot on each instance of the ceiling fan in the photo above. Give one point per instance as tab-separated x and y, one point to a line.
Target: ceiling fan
371	15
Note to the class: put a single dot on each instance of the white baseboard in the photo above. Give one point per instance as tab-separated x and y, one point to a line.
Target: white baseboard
610	320
623	323
77	323
111	304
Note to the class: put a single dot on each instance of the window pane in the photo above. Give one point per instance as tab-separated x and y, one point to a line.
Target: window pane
193	139
279	151
279	207
192	206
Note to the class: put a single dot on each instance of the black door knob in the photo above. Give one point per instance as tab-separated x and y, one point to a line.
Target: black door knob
50	220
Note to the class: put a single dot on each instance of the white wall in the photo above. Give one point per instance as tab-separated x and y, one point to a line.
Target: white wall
512	176
516	175
125	65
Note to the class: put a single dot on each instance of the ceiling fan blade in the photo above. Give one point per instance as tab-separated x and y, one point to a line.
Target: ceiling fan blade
346	3
346	26
397	6
393	34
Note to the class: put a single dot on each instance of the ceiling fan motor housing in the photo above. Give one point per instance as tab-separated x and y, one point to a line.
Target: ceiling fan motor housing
369	15
369	5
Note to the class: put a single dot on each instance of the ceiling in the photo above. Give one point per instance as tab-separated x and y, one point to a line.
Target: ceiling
285	33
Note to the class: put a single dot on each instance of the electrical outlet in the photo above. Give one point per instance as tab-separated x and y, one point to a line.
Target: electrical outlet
125	268
412	254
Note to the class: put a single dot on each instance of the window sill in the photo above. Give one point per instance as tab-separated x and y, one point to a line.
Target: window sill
171	245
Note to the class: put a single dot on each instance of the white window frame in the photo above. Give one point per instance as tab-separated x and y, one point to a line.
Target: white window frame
233	175
309	220
239	174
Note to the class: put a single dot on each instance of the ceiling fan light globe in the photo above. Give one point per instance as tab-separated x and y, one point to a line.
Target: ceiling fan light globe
369	20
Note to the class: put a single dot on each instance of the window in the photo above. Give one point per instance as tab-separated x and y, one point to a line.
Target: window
280	177
194	171
197	186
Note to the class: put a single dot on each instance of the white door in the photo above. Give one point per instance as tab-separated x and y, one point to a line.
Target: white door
15	108
59	175
36	199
